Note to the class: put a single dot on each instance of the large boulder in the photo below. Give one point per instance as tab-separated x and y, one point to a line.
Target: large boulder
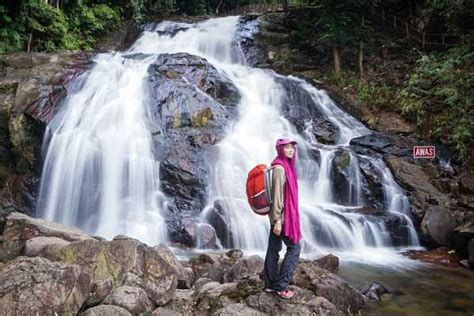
244	268
192	104
19	228
32	87
105	310
32	286
125	261
303	303
328	285
133	299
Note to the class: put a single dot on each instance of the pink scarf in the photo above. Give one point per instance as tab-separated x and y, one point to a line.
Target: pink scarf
291	227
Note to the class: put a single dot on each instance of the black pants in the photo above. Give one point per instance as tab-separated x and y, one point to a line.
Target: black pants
274	278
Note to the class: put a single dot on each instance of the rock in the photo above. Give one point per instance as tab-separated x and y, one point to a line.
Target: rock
329	262
470	250
106	310
437	223
126	262
465	263
162	311
440	256
301	110
211	295
22	227
238	309
244	268
47	247
385	144
99	291
459	238
200	283
466	183
247	28
29	286
182	304
19	228
330	286
185	275
414	179
303	303
132	299
204	102
220	219
374	291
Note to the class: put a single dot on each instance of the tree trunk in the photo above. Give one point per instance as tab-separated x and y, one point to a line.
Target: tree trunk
337	61
285	5
360	60
28	43
218	7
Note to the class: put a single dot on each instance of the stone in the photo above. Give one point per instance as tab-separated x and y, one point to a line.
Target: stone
106	310
303	303
244	268
133	299
48	247
126	262
329	262
328	285
438	223
29	286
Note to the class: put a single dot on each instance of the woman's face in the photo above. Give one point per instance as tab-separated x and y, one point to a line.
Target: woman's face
289	150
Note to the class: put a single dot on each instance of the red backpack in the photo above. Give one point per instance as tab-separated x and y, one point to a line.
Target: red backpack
259	188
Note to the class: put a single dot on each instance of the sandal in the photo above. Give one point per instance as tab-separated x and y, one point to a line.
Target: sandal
286	293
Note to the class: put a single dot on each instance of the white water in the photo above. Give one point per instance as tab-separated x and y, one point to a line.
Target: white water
100	169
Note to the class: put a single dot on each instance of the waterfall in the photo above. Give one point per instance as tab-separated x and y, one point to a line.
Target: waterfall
100	173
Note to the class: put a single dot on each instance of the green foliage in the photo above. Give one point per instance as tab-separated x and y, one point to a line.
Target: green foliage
86	23
38	26
45	26
10	38
445	82
377	95
458	14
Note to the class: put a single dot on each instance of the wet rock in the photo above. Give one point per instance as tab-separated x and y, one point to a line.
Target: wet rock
374	291
37	285
439	256
220	219
385	144
133	299
323	283
247	29
32	88
192	103
301	110
104	310
303	303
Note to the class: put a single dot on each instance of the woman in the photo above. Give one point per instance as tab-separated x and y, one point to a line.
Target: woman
284	221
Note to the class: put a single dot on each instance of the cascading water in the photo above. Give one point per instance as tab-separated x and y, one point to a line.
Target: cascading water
99	168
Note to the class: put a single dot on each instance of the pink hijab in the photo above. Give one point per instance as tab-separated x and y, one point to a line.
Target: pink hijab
291	227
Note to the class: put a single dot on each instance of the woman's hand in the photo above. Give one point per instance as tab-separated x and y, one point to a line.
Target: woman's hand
277	228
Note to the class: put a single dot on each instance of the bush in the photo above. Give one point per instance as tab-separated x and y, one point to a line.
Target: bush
439	94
